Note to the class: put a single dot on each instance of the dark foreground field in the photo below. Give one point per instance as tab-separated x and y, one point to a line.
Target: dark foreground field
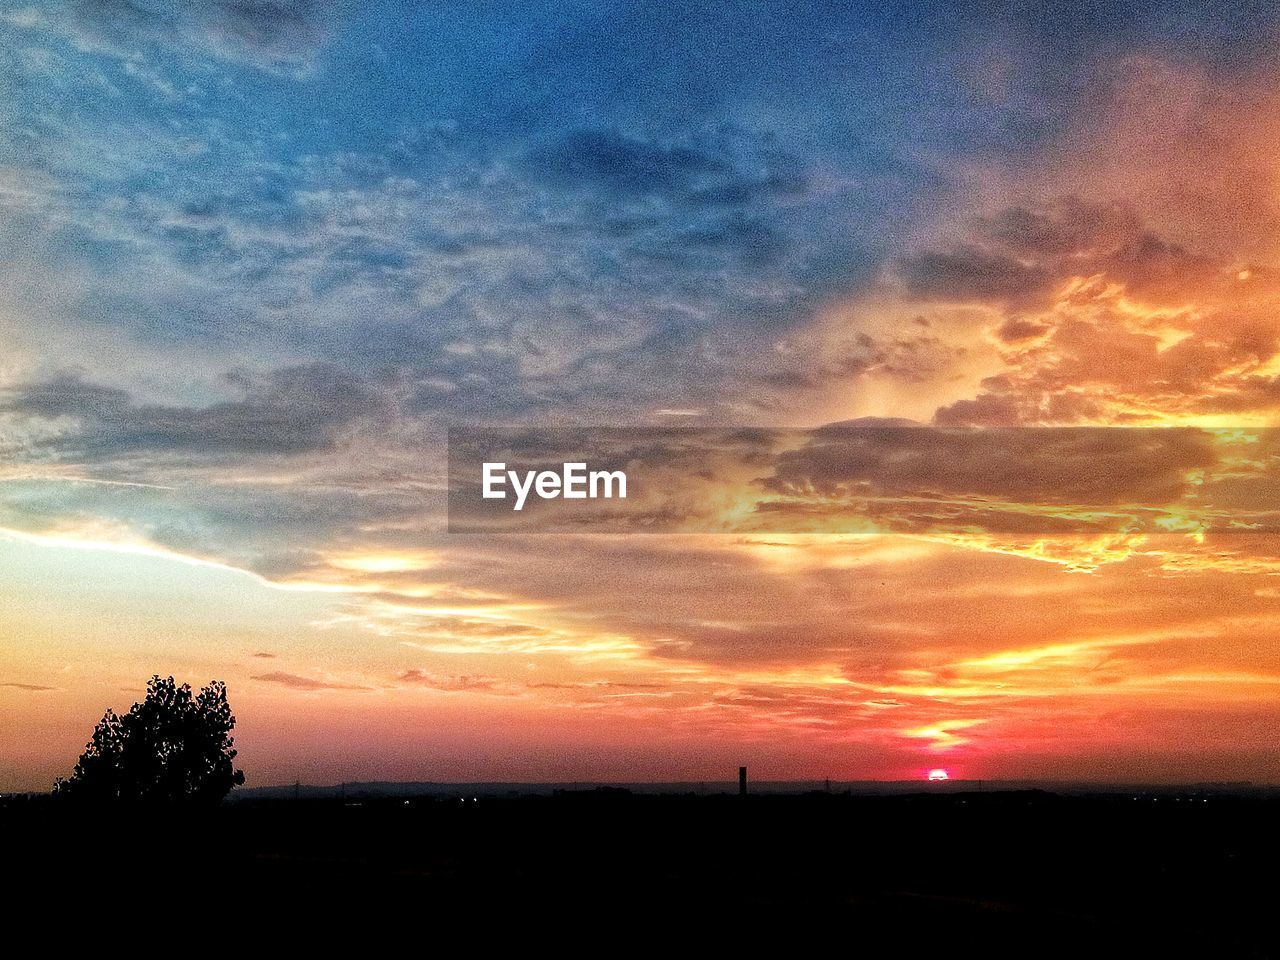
1023	873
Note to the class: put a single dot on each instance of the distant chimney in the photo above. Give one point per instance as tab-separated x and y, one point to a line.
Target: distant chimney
742	781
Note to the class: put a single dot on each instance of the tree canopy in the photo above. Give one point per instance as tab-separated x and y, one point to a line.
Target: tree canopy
172	747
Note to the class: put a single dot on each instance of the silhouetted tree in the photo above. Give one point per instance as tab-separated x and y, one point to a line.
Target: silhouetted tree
170	748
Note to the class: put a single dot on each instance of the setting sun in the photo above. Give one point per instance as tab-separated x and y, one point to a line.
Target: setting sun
938	774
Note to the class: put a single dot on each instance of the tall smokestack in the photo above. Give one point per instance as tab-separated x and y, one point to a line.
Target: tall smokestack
742	781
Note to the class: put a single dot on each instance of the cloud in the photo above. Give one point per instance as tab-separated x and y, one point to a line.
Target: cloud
496	287
304	683
264	33
622	165
32	687
969	273
731	171
867	476
1149	468
1024	254
1018	329
291	411
1104	321
450	684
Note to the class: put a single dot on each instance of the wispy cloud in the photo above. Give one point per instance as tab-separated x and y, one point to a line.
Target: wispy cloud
271	34
296	682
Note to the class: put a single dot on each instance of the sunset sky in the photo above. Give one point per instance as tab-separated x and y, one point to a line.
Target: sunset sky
258	257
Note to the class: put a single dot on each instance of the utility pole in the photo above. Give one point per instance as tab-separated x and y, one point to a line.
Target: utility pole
742	781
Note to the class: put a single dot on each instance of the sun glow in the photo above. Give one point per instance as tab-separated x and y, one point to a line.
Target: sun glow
937	775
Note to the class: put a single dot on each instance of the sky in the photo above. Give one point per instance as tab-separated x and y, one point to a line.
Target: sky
258	257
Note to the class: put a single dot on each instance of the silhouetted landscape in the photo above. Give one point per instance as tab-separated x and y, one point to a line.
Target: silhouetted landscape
1175	870
1006	867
